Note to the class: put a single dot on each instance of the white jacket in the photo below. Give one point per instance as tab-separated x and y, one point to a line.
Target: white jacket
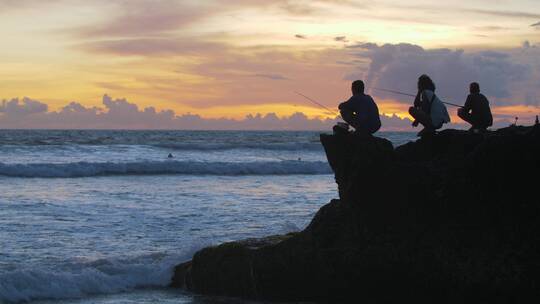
439	114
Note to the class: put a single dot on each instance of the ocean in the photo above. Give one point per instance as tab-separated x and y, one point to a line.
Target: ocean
103	216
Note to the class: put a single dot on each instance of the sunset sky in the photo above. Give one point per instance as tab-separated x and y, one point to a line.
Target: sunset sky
227	59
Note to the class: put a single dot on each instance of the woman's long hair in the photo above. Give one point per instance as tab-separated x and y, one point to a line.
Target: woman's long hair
425	83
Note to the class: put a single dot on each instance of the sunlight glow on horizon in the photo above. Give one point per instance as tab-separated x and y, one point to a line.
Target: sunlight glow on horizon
230	59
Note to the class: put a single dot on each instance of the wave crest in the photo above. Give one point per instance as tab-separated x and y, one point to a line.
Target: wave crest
87	169
78	279
315	146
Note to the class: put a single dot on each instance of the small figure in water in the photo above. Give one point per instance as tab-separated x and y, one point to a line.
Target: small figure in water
428	109
476	110
360	111
170	155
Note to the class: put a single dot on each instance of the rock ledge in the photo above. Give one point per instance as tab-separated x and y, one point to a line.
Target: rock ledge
451	218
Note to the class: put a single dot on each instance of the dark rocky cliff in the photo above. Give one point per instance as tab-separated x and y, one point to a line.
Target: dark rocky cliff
451	218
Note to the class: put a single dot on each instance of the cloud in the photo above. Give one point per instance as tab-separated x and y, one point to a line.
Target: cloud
14	107
143	19
492	28
300	36
487	12
271	76
152	47
122	114
139	18
535	24
301	9
508	14
395	123
341	39
130	22
8	5
397	67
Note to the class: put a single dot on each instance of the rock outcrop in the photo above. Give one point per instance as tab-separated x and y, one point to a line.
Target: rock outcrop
450	218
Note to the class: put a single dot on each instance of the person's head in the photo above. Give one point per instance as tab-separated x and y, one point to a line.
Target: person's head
425	83
474	88
357	87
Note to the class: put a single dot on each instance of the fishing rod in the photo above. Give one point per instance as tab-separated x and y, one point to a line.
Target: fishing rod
318	103
411	95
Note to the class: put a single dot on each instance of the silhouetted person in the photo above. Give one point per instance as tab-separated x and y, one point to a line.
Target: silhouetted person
360	111
476	110
428	109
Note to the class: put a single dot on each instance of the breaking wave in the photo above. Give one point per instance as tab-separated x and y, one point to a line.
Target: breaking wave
315	146
82	278
87	169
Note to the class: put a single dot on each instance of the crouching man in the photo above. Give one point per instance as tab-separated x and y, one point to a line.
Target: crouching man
361	111
476	110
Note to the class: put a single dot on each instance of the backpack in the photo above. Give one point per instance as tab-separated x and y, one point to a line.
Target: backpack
439	113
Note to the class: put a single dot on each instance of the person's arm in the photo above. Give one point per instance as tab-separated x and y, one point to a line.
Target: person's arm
417	100
467	107
425	102
346	112
345	105
488	110
416	104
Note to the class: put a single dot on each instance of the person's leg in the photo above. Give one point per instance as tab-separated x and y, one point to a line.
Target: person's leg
467	117
362	130
421	117
424	119
476	124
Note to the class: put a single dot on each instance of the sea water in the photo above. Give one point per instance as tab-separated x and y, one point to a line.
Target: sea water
104	216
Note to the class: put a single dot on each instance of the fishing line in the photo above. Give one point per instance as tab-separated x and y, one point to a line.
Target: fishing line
317	103
411	95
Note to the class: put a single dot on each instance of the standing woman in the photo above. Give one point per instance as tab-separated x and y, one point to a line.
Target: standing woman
428	109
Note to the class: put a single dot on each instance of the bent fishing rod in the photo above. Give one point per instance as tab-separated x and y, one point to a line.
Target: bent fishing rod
411	95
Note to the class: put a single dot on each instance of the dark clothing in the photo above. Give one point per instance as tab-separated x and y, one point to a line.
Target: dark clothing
476	111
361	112
421	117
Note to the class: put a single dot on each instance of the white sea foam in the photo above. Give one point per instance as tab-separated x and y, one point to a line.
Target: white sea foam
294	146
47	225
82	278
85	169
